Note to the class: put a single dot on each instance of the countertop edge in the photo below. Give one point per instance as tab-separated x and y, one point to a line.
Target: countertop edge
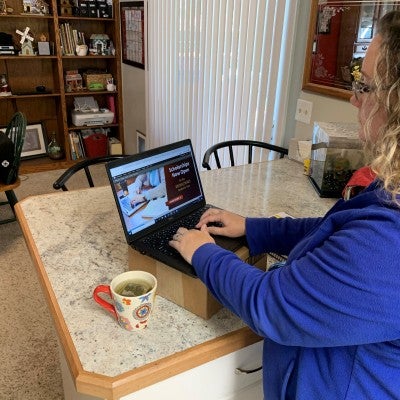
167	367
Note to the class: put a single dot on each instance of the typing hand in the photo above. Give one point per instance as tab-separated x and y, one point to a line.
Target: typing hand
188	241
221	222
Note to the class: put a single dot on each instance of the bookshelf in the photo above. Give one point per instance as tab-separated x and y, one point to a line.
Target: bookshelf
38	82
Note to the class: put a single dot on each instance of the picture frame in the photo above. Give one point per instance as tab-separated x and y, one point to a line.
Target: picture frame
132	33
34	143
140	141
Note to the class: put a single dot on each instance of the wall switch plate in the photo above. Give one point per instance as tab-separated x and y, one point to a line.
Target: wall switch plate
303	111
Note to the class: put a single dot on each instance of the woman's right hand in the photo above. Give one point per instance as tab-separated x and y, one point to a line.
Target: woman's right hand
224	223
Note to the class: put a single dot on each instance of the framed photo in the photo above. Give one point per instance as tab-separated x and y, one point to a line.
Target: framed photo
132	33
34	144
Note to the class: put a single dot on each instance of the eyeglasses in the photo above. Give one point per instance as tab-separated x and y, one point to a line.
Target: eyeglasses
360	88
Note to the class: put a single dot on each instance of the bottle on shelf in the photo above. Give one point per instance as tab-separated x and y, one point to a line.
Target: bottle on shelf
54	149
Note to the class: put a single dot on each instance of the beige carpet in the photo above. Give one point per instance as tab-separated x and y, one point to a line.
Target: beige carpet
28	347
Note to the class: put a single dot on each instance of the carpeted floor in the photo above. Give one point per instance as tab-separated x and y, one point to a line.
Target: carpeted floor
28	346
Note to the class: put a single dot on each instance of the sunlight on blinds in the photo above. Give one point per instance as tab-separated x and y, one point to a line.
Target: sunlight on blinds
217	70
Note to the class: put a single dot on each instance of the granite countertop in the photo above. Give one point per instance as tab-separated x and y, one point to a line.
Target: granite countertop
264	189
80	241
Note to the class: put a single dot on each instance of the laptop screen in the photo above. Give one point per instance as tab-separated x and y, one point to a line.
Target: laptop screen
155	186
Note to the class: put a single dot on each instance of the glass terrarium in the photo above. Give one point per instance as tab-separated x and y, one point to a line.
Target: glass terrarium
336	153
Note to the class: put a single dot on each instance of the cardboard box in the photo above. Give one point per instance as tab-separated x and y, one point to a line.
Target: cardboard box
184	290
114	146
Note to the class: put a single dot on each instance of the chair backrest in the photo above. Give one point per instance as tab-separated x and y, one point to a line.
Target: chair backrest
16	130
85	165
230	144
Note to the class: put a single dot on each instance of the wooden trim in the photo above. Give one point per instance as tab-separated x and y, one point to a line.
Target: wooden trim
115	387
307	84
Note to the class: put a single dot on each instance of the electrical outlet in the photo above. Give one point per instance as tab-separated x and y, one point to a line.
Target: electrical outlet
303	111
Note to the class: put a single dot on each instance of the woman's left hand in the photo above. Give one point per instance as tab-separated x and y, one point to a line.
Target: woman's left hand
188	241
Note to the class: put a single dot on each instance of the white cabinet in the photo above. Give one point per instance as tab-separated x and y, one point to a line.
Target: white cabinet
215	380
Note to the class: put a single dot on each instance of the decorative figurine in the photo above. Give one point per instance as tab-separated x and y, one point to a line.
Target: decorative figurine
3	7
35	7
99	44
43	45
4	86
66	7
26	42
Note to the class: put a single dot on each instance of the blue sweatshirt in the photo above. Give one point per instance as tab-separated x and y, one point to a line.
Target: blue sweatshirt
330	317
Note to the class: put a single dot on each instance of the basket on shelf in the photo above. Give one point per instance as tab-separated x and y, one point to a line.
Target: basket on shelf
96	81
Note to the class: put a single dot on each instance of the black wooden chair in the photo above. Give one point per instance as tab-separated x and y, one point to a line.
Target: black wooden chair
84	165
218	148
15	130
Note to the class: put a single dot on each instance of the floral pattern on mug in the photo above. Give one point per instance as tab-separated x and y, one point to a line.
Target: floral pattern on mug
119	307
142	312
145	297
124	322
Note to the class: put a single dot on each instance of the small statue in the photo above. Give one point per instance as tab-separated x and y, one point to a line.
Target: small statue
3	7
26	42
4	86
35	7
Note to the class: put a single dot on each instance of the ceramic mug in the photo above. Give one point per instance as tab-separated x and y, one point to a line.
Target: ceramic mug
132	295
81	49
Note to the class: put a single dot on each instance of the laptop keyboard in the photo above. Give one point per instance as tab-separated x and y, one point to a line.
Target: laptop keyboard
159	240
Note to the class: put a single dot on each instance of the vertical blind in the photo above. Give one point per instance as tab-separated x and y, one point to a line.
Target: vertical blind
217	70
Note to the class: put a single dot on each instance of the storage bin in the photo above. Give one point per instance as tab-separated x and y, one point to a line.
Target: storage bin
95	145
336	152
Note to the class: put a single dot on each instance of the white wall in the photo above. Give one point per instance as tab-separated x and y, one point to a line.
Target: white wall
327	109
134	103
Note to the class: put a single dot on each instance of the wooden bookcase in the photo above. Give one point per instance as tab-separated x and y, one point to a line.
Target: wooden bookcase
53	108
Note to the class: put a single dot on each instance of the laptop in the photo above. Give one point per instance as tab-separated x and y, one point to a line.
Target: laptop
156	192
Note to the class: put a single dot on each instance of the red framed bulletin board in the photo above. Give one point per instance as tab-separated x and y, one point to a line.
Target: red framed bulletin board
132	33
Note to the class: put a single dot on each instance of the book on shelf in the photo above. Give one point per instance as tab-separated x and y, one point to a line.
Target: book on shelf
77	149
70	38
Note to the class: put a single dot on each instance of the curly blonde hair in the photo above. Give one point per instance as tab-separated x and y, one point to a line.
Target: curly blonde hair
384	150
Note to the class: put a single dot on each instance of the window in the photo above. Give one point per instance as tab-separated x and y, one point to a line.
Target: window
216	70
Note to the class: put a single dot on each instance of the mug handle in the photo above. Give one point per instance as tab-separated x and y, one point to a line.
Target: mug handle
105	304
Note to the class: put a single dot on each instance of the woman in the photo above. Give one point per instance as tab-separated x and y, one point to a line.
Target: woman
331	315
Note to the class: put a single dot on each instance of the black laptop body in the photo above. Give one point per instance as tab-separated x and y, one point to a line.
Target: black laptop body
156	192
